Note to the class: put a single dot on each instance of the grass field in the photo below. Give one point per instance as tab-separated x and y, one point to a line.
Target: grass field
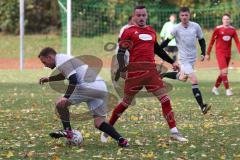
9	47
27	116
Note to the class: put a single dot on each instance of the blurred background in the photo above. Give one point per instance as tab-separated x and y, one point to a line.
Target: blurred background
94	24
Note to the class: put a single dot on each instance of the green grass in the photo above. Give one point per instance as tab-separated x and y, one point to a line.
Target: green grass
9	47
27	116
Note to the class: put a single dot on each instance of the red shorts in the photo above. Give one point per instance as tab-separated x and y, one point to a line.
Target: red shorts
223	61
147	77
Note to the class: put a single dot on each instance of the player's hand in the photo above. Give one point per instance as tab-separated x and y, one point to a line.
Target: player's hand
207	57
175	66
43	80
121	72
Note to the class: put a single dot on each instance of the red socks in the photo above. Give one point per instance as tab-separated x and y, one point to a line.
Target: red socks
167	111
225	81
218	81
117	112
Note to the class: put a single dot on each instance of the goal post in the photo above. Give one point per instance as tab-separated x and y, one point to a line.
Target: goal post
21	22
66	18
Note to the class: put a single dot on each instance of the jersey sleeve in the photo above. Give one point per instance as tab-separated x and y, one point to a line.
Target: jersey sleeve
125	39
66	65
121	31
199	32
213	38
235	36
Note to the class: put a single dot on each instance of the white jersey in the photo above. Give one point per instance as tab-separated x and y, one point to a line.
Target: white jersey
122	30
68	65
186	39
126	57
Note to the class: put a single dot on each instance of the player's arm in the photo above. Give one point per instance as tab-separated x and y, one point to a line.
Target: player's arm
121	61
162	54
124	44
202	44
71	86
158	50
201	41
166	41
211	43
58	77
237	41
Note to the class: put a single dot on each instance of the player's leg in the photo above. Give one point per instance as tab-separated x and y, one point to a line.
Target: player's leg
175	75
99	115
197	93
156	86
168	114
223	65
63	113
132	86
224	75
120	108
217	84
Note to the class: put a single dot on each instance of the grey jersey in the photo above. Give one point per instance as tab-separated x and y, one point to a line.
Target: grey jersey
186	39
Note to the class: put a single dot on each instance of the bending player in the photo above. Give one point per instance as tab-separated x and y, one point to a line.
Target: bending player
140	40
79	90
223	35
186	33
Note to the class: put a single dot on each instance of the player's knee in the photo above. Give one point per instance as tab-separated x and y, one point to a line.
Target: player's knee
127	101
182	77
224	72
59	106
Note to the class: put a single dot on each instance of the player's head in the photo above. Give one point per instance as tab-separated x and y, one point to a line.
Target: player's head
173	18
226	19
47	57
140	15
184	14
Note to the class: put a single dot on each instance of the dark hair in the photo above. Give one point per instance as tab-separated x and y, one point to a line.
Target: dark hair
184	9
139	7
47	51
227	14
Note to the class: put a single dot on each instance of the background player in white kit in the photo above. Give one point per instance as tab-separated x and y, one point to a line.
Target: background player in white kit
186	34
164	34
82	88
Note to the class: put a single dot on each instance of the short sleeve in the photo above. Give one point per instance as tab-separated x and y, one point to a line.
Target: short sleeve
67	65
125	39
199	32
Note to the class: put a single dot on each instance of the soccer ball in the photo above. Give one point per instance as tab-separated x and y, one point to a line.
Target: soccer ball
76	140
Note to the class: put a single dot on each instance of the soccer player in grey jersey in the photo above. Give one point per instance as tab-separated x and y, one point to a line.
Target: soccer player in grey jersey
80	89
186	34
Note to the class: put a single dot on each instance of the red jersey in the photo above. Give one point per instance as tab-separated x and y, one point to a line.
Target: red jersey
223	36
141	43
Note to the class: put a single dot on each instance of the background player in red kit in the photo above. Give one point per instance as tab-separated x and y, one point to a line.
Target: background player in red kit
141	71
223	35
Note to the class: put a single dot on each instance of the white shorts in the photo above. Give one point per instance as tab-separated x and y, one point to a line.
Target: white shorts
95	94
186	68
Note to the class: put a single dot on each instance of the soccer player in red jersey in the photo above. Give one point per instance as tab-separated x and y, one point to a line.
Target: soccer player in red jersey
223	35
141	41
